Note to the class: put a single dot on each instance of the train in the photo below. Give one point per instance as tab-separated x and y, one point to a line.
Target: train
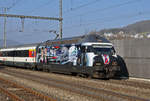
87	55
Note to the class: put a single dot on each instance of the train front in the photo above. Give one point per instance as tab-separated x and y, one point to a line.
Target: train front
103	59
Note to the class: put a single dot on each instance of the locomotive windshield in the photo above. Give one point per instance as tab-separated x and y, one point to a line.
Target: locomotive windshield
101	49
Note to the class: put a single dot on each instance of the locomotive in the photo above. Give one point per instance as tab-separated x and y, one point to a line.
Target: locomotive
88	55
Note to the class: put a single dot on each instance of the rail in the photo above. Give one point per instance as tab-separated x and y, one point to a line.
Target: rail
22	89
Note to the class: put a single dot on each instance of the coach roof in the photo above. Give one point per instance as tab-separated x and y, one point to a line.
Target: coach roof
21	46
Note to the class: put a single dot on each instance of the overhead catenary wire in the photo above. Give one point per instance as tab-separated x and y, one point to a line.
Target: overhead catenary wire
81	6
106	8
102	20
40	6
10	7
94	21
14	4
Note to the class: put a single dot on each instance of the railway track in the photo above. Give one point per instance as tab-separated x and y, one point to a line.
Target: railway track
16	92
95	93
132	83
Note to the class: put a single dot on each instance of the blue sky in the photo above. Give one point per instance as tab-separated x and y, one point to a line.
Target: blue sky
80	17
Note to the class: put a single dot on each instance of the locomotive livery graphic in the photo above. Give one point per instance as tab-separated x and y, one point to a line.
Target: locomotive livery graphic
89	55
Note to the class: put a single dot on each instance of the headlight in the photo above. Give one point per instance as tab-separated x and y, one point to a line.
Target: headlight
98	64
114	63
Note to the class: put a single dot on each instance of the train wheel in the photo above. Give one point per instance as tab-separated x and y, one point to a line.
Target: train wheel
34	68
89	76
74	74
78	75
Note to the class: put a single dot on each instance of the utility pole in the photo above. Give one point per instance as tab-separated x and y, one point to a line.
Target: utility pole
60	17
5	45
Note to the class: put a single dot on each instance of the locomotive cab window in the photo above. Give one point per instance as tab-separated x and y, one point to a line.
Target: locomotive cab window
103	50
0	53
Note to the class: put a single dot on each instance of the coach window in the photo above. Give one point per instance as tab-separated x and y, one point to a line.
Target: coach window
25	53
1	54
8	54
12	53
22	53
17	54
4	54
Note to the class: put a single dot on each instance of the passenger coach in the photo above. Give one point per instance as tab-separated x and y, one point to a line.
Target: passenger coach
24	56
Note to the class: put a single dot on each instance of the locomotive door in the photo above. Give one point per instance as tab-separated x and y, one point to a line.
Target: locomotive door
83	56
83	60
